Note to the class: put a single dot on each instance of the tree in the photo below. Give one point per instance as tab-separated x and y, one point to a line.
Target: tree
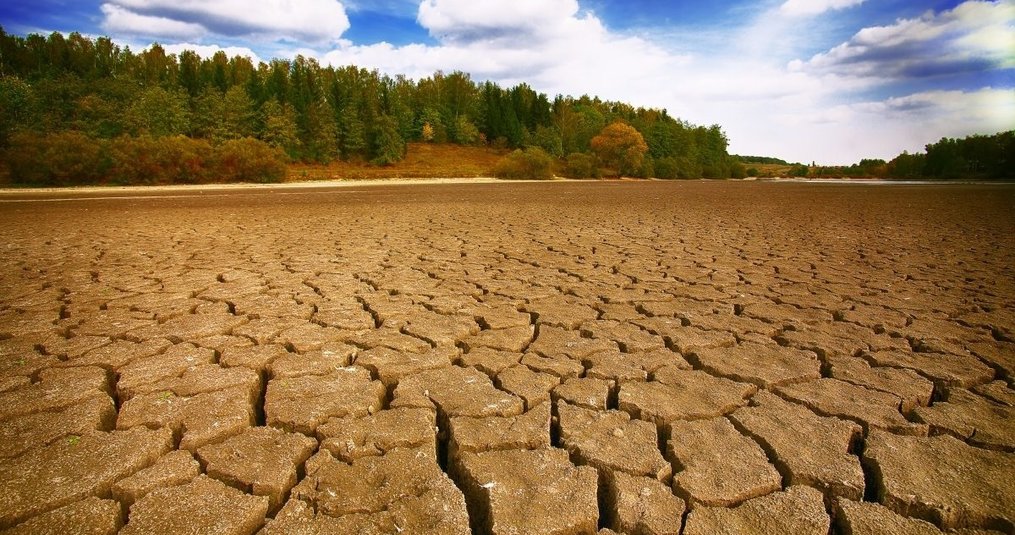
16	106
280	127
533	163
548	139
353	133
159	113
387	145
619	146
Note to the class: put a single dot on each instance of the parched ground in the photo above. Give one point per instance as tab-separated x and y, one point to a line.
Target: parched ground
561	358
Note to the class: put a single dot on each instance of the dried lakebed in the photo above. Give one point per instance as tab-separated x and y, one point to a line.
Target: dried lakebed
559	358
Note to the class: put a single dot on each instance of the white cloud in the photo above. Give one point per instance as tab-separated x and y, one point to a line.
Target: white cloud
120	20
975	36
468	20
799	8
314	21
545	43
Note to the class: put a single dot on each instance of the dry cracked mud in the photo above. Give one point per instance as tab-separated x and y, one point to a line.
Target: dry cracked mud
566	358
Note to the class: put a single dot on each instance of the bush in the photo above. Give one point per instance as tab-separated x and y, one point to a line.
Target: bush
249	160
168	160
753	171
667	168
60	159
581	165
533	163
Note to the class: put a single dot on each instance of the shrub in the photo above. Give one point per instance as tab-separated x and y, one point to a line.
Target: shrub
533	163
61	159
667	168
581	165
752	171
249	160
168	160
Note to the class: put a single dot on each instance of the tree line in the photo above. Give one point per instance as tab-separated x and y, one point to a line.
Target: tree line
54	88
976	157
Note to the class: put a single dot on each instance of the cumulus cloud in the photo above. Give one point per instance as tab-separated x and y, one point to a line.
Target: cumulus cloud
798	8
465	21
549	44
120	20
314	21
974	36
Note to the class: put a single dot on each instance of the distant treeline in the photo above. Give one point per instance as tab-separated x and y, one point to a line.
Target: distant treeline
56	88
977	157
759	159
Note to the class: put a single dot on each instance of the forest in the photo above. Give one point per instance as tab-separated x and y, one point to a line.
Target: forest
75	110
976	157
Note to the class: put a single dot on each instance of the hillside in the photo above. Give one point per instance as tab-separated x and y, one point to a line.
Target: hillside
422	160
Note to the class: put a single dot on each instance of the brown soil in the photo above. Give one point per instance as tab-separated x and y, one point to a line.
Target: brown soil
648	357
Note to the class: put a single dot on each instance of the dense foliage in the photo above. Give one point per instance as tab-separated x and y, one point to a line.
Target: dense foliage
976	157
100	92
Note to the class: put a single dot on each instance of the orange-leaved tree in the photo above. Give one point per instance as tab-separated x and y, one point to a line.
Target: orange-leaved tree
619	146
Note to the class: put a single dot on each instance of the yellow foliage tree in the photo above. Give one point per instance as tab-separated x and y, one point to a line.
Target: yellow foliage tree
619	146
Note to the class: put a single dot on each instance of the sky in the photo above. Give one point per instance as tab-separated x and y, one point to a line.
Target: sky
831	81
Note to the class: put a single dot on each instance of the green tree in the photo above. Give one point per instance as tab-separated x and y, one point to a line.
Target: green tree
16	106
353	133
280	127
238	113
159	112
548	139
320	140
387	145
619	146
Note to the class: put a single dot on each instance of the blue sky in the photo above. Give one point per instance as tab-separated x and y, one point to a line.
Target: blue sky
826	80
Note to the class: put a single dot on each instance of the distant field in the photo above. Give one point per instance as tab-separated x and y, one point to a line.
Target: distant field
423	160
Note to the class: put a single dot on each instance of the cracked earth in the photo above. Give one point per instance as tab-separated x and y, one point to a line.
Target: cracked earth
565	358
